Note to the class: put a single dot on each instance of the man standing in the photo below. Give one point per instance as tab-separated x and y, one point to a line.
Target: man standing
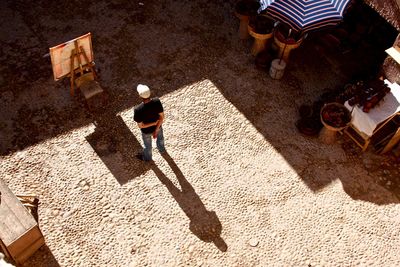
149	116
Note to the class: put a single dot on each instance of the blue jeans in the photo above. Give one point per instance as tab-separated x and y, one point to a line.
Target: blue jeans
148	144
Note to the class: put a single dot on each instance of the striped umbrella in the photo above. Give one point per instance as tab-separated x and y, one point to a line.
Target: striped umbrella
306	15
264	4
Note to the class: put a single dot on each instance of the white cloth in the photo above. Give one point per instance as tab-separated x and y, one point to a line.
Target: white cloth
389	105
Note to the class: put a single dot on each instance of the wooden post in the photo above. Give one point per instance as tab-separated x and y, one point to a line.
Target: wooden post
89	64
72	78
78	56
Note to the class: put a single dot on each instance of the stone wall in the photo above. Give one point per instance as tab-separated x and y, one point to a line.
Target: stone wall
390	67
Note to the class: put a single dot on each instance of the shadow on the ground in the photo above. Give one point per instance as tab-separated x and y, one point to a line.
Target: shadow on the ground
42	257
116	146
204	224
198	53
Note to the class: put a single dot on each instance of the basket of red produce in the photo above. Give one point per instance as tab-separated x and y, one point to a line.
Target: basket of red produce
335	116
283	34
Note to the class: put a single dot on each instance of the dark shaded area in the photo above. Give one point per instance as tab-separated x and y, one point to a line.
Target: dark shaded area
176	68
356	47
116	146
32	126
203	223
42	257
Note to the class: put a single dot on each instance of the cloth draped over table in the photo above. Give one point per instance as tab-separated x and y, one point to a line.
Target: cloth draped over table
388	106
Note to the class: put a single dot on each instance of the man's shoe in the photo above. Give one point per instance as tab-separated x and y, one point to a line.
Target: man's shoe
140	157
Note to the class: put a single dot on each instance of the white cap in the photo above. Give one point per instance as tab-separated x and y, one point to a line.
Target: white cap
143	90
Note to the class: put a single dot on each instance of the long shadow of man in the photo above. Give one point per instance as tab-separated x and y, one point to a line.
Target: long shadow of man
203	223
116	146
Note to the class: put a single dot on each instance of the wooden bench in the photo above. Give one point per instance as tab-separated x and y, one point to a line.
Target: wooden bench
20	235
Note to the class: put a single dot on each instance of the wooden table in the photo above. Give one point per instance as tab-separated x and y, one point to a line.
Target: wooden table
20	235
380	127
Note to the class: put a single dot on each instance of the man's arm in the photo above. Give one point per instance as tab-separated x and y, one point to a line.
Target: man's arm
159	123
147	125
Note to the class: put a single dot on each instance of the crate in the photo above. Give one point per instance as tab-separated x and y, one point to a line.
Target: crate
20	235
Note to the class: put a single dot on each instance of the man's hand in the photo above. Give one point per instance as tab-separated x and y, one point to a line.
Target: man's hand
159	123
155	133
147	125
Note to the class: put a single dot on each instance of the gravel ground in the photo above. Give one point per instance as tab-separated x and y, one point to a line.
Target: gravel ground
239	185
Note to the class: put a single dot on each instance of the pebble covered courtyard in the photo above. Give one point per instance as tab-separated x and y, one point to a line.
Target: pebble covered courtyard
239	185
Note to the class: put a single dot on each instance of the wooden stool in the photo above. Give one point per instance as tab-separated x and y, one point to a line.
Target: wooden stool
94	95
260	40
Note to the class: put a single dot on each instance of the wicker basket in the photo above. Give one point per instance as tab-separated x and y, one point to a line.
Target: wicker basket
285	49
281	44
330	127
260	36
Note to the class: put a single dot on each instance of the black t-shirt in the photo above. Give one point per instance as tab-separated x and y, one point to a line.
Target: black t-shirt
148	113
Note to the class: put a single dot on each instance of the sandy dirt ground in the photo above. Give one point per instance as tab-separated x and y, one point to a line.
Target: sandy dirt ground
239	185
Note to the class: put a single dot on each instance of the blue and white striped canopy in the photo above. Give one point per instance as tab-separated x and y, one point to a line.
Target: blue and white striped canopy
265	3
306	15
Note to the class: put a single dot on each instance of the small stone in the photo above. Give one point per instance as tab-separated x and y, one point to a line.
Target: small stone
55	212
8	96
86	188
253	242
191	249
67	214
82	183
